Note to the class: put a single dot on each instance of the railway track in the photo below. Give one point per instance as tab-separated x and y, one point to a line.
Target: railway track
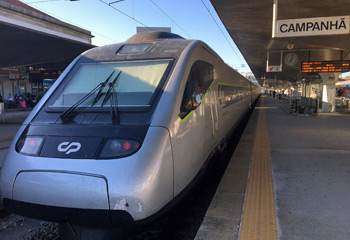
14	227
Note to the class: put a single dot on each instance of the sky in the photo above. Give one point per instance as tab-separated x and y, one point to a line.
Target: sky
118	21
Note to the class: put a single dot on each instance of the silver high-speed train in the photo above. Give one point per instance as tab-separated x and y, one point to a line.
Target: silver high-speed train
123	132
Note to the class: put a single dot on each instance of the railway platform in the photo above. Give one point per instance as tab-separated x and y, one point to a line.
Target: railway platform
9	125
288	179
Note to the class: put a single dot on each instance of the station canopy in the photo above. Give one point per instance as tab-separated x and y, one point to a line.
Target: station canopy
30	37
305	31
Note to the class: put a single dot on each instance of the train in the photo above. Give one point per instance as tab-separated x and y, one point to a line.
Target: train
124	132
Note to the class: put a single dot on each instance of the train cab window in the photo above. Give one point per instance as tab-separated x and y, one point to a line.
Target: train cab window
200	78
127	84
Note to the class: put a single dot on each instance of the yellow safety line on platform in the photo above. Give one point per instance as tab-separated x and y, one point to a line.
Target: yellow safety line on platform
6	138
259	213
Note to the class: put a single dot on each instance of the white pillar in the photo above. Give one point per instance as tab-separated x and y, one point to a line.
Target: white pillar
328	96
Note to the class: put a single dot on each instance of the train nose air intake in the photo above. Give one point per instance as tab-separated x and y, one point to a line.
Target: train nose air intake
61	190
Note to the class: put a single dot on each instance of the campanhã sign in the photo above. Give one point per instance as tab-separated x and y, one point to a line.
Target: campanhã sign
313	26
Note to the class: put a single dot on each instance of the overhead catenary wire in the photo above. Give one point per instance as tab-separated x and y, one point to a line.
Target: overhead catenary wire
115	2
170	18
107	4
223	33
110	5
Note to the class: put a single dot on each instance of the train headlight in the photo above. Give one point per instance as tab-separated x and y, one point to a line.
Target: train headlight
29	145
119	148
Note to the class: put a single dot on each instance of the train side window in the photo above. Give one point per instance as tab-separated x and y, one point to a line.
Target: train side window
200	78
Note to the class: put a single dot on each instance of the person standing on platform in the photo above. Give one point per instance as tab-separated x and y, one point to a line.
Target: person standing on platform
10	101
23	103
33	100
16	101
28	99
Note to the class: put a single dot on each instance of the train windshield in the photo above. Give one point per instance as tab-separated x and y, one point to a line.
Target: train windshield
124	84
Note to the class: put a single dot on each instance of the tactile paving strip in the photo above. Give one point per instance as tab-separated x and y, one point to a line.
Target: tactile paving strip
259	214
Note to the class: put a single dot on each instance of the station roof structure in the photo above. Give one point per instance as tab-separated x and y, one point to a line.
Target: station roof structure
250	24
30	37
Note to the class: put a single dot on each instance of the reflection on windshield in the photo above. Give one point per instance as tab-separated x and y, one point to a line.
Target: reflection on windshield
136	84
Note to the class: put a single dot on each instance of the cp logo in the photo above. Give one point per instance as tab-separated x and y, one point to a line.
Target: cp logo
69	147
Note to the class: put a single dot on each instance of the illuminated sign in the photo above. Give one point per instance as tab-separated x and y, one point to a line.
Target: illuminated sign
325	66
43	74
313	26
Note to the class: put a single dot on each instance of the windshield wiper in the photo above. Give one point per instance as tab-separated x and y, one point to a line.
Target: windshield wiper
114	107
114	103
99	94
69	111
111	86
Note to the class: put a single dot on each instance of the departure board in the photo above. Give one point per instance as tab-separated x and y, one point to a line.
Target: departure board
325	66
43	74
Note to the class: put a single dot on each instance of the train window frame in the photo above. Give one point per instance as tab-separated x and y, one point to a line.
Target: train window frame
196	89
127	108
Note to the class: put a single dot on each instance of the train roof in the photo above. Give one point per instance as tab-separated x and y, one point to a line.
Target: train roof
154	45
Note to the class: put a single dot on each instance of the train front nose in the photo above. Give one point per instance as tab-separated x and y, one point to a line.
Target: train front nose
60	179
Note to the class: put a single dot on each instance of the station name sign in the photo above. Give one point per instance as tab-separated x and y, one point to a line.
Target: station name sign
313	26
325	66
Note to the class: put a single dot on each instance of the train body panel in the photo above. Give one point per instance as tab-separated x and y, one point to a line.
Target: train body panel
204	129
193	131
133	149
